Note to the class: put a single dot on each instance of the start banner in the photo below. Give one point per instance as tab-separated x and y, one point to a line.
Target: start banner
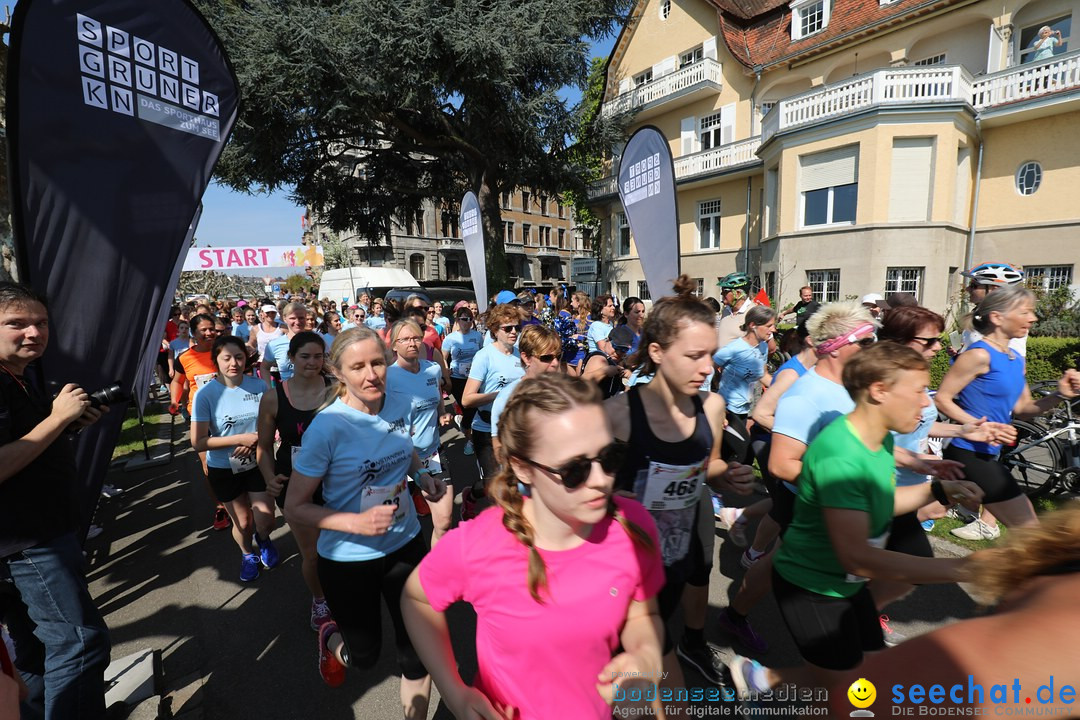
253	256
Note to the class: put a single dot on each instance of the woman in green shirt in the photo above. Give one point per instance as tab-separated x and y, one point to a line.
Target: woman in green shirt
847	499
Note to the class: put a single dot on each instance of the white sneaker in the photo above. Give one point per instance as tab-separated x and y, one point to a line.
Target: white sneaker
977	530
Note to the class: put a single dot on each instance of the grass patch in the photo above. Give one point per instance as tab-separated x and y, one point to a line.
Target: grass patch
130	441
1042	505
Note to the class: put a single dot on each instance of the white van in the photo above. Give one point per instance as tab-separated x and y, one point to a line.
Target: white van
344	285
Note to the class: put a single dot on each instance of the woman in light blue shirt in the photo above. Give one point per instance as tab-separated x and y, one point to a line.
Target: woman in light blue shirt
359	450
459	349
742	363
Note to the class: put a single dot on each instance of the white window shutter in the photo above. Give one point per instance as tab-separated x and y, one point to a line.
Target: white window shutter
993	54
829	168
665	66
727	124
910	186
687	134
624	85
709	48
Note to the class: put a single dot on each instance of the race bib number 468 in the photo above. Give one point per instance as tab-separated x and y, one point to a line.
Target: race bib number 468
672	487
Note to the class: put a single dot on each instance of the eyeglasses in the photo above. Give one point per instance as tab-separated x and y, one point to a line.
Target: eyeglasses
574	473
410	340
464	318
510	328
431	311
546	359
928	341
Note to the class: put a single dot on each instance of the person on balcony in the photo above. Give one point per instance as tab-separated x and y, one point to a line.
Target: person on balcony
1043	46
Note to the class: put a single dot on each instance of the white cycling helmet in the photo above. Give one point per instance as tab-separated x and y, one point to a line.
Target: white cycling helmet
995	274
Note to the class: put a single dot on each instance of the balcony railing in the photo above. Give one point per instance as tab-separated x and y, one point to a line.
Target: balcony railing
688	167
705	72
717	158
451	243
1027	81
547	251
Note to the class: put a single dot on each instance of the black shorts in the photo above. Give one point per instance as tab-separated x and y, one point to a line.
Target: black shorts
485	456
783	503
227	487
467	414
735	443
830	632
317	498
907	536
986	471
703	542
353	591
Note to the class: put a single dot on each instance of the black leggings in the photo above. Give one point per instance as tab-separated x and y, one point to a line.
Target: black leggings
485	456
467	414
986	471
736	441
352	592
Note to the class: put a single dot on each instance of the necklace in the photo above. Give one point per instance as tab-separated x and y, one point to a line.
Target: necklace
1007	351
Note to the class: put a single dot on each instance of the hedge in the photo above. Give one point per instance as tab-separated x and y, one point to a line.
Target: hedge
1047	359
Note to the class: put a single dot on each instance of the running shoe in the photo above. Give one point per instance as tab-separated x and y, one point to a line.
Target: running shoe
249	567
892	637
750	557
717	507
110	491
705	660
94	531
742	632
268	554
320	614
736	525
330	668
468	450
221	518
927	525
468	504
977	530
748	675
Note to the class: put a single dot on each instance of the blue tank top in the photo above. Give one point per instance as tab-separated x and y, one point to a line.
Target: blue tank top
793	363
993	394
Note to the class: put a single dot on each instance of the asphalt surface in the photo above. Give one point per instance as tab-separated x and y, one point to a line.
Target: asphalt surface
164	579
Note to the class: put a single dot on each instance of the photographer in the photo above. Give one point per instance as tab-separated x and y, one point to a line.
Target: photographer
61	640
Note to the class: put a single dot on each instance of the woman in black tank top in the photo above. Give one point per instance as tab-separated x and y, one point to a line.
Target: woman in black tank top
286	413
673	429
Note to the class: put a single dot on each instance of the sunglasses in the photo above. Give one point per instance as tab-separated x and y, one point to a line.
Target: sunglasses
927	341
574	473
546	359
464	318
420	309
866	341
510	328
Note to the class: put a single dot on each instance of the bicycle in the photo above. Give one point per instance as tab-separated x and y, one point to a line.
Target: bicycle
1046	456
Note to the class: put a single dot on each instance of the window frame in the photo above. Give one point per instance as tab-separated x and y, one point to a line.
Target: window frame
1037	168
694	54
895	282
643	290
622	289
664	10
800	10
526	234
620	224
525	204
1024	52
821	286
1042	276
830	207
643	78
710	210
932	60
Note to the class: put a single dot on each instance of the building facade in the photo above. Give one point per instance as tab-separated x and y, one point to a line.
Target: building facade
854	146
539	234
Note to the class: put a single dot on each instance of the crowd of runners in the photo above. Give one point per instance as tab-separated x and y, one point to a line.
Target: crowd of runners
610	438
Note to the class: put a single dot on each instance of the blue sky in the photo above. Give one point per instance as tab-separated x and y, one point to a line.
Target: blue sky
232	218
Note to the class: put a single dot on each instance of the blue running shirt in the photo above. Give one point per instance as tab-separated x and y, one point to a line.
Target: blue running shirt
423	391
742	365
277	351
459	349
495	371
228	411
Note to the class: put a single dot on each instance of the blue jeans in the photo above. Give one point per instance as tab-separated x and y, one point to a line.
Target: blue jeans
61	642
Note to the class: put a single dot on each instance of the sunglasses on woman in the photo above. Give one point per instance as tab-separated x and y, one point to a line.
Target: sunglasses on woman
573	473
510	328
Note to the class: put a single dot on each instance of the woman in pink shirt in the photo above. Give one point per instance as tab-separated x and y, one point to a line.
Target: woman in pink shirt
560	572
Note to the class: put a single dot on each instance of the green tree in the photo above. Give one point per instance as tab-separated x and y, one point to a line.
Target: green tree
367	108
297	282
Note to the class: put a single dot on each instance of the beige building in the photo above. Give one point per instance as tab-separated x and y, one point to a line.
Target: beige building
854	145
539	233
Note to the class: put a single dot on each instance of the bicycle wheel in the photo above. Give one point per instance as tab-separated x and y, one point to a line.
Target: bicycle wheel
1034	466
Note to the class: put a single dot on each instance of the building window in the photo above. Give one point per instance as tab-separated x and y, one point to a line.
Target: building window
543	204
525	201
561	208
622	239
1049	277
526	234
449	224
770	284
1028	178
665	9
932	60
643	290
904	280
808	17
691	56
453	269
562	239
825	284
709	225
1029	37
622	290
506	201
508	232
829	186
642	78
417	266
544	235
551	271
700	287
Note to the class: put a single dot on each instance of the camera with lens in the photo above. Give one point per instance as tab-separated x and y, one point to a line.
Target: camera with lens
108	395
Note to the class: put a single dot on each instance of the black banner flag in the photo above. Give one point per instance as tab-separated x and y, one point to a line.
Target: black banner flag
117	112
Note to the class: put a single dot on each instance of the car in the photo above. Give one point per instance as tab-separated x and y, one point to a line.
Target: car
449	296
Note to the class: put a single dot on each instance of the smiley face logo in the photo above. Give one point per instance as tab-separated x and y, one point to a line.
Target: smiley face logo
862	693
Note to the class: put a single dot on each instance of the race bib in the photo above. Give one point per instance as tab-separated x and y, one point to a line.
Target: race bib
672	487
876	542
396	495
201	380
464	368
432	464
241	465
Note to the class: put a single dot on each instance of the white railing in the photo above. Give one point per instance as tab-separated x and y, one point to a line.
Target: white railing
603	186
451	243
706	70
547	251
887	86
717	158
1027	81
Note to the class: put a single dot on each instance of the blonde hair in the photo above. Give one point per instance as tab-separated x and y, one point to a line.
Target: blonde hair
401	325
535	339
344	340
836	319
294	308
547	394
1046	549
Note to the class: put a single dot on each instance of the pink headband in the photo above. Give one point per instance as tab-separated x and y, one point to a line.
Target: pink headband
864	330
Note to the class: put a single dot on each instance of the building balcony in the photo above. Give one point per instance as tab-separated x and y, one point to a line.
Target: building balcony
684	85
451	244
548	252
1053	80
515	248
694	166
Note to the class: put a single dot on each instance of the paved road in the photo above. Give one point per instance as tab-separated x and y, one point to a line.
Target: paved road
165	580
